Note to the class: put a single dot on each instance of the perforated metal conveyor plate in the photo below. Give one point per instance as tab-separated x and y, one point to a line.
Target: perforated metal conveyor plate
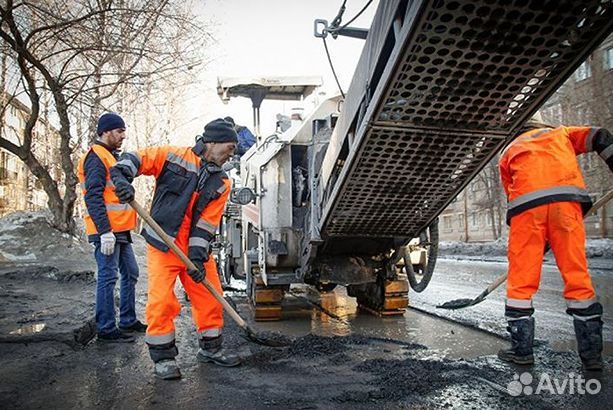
468	74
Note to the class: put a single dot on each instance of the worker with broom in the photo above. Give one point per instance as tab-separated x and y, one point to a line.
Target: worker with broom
547	200
189	199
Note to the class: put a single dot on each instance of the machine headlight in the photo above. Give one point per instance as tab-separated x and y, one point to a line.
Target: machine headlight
242	196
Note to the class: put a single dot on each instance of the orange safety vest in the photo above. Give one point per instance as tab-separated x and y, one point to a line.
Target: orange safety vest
540	167
121	216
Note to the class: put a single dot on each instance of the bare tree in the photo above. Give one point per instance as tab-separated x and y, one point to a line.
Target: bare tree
492	198
86	54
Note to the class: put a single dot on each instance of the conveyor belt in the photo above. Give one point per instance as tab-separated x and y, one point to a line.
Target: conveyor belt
462	76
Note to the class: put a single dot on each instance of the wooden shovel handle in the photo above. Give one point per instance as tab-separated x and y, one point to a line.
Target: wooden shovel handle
190	265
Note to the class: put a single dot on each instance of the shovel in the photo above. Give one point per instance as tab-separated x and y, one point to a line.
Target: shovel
272	339
463	303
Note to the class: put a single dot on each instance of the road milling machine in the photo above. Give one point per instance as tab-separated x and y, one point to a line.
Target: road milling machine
350	195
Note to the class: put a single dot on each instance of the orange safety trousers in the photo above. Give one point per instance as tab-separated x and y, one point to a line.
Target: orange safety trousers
163	306
561	225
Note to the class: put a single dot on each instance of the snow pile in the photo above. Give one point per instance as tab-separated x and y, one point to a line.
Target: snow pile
599	248
494	248
28	237
595	248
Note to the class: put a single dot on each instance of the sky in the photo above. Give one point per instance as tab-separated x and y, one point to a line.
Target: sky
256	38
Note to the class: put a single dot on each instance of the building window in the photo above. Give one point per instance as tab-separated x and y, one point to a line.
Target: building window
584	71
447	222
474	222
608	59
461	221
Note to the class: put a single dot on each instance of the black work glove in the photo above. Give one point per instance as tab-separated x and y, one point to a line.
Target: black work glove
197	275
123	188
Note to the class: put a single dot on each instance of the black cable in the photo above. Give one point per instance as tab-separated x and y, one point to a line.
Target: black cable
336	29
337	20
332	67
339	15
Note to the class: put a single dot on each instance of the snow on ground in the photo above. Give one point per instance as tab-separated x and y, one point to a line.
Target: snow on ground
595	248
28	237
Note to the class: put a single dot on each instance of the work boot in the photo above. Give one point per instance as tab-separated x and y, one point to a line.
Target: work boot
211	351
115	336
589	342
167	369
522	339
136	327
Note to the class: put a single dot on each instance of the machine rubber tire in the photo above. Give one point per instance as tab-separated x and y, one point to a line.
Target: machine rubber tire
420	286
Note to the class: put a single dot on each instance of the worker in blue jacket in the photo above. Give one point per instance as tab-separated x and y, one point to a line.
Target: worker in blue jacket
246	139
108	223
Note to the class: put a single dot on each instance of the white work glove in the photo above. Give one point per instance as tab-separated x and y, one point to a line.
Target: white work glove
107	243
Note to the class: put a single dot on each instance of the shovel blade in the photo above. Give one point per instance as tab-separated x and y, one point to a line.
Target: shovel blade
457	304
271	339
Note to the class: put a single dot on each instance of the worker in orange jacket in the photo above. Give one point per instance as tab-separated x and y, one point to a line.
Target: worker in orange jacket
190	195
546	203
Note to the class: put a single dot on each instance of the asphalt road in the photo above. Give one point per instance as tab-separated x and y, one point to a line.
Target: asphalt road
341	357
455	279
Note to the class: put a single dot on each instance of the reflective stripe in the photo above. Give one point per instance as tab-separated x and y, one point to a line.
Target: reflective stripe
524	138
175	159
200	242
136	157
222	189
541	193
589	141
154	235
207	226
586	318
117	207
607	153
109	184
129	164
519	303
160	339
536	134
111	207
580	304
210	333
513	319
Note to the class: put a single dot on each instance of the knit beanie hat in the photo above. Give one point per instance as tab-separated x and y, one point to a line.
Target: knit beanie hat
219	130
108	122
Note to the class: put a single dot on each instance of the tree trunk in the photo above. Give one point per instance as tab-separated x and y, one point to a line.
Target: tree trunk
465	214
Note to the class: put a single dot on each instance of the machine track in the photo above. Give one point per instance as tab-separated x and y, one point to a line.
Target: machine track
266	300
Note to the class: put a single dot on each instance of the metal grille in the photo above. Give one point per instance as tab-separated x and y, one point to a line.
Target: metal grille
480	65
468	75
403	178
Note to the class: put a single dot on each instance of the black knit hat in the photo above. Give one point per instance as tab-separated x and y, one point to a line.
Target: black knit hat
219	130
108	122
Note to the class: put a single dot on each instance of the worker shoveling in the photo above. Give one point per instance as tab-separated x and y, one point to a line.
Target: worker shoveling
265	338
467	302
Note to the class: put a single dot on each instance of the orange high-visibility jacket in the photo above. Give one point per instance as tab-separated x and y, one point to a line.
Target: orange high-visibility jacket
185	189
540	167
121	216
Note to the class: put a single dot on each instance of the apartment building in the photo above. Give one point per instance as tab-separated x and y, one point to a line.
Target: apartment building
19	189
